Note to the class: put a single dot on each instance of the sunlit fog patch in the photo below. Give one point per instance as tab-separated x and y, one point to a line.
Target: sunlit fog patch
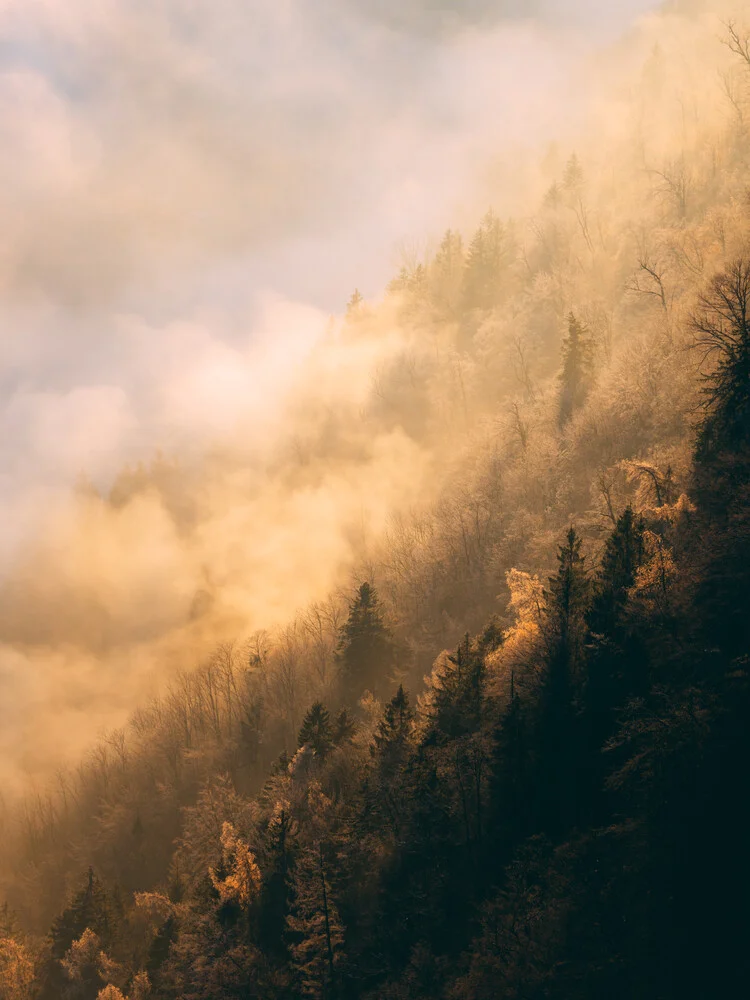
190	198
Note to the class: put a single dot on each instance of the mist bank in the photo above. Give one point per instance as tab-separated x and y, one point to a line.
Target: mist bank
178	236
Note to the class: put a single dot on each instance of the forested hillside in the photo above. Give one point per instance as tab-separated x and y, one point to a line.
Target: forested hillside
510	759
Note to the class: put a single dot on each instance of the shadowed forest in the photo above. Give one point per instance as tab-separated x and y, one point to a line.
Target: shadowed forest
507	756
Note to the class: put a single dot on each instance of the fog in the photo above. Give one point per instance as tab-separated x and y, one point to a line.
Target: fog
190	194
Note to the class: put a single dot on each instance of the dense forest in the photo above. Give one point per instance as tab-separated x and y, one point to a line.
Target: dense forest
508	760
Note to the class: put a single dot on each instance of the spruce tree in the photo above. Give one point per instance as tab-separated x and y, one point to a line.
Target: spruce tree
567	602
509	787
615	663
392	734
344	727
316	730
459	694
488	257
622	557
365	653
447	274
90	909
279	855
576	371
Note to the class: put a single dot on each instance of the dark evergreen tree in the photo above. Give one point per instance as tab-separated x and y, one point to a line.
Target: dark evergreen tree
575	378
159	950
622	557
567	602
344	727
365	653
458	695
316	730
90	909
391	737
616	661
278	860
510	780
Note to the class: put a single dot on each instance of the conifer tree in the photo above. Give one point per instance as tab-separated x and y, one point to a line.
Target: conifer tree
365	653
510	792
576	371
615	664
159	950
447	274
458	693
280	852
316	730
567	602
344	727
488	257
89	910
623	555
393	731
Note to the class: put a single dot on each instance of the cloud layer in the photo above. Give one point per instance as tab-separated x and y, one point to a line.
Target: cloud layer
188	191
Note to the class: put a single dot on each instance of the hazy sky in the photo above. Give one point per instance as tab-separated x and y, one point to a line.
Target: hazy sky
169	167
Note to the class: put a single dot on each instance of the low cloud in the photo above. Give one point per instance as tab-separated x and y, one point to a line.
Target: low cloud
188	194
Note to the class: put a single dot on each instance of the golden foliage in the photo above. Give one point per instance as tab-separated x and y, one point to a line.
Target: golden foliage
242	882
16	970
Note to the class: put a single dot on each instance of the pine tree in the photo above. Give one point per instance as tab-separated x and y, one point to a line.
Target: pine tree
576	371
614	663
567	602
447	274
89	910
365	653
489	255
393	731
458	694
279	855
159	950
344	727
623	556
316	730
510	791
